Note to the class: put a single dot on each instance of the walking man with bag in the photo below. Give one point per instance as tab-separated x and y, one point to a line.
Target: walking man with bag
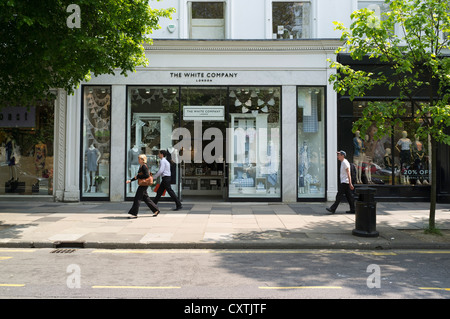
164	172
144	179
345	185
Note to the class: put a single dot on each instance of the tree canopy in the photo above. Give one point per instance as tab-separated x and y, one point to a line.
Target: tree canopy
412	41
49	44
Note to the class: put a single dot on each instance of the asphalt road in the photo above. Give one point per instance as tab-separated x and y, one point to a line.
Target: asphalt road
223	274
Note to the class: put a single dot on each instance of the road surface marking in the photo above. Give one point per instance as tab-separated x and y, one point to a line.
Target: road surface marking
431	288
135	287
303	287
4	258
12	285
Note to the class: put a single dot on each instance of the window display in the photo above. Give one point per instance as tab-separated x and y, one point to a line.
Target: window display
254	143
152	112
311	142
26	149
397	159
96	141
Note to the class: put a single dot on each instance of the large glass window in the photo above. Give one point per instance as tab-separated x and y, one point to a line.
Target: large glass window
207	20
291	20
398	158
26	149
311	142
96	141
153	113
254	144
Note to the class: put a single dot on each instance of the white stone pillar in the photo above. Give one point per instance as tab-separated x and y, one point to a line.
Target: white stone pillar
72	152
118	143
59	144
289	143
332	146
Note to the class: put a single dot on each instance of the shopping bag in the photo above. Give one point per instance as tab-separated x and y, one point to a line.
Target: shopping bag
156	190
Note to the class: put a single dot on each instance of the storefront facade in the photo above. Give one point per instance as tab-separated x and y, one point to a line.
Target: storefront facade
399	164
240	126
247	121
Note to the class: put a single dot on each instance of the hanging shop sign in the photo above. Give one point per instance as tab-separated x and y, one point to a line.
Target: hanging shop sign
203	113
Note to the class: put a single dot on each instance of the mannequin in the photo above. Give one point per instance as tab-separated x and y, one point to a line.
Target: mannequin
358	146
368	160
419	160
40	153
387	159
133	165
303	167
405	154
93	156
10	148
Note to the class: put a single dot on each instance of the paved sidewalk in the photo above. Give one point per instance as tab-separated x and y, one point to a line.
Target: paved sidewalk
213	225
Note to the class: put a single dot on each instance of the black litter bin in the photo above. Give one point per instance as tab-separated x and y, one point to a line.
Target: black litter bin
366	213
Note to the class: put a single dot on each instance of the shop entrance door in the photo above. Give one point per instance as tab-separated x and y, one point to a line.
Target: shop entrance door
203	119
204	176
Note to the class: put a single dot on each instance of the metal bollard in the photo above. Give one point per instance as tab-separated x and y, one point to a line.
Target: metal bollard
365	215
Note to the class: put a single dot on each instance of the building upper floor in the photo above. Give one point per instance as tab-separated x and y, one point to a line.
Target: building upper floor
258	19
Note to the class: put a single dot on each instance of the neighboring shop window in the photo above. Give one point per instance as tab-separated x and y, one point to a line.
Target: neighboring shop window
311	142
254	145
152	114
400	158
96	141
291	20
26	149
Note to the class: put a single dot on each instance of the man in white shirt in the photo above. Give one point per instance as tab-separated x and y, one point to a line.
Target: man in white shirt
164	172
345	185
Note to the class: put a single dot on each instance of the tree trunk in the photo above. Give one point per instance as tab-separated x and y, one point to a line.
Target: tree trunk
433	195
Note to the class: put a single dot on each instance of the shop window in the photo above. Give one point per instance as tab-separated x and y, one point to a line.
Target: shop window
396	158
291	20
26	149
152	115
254	145
96	141
207	20
311	142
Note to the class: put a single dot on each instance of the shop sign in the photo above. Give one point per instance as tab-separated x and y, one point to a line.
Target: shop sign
203	113
17	116
204	76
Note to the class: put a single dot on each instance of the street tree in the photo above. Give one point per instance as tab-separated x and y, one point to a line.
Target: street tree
51	44
411	42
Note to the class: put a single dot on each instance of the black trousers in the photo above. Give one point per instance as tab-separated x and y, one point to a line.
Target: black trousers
165	185
344	189
141	194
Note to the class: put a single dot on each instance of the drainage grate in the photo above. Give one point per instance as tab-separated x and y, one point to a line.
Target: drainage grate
68	244
63	251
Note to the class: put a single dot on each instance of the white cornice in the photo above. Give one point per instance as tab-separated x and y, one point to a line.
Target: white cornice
229	46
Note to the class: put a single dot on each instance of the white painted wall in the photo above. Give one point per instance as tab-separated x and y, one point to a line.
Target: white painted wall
252	19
